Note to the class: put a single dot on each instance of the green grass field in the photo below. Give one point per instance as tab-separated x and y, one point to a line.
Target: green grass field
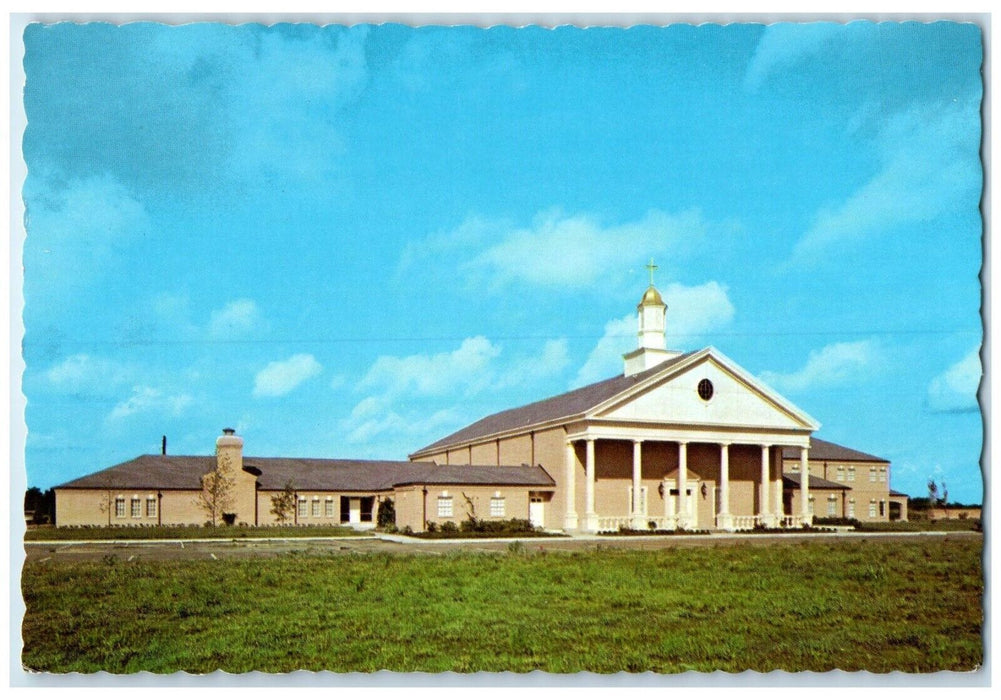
180	532
880	606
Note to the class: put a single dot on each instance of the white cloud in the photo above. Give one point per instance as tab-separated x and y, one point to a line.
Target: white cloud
783	45
692	313
281	377
407	393
955	390
574	252
146	399
831	365
74	226
929	165
462	369
83	372
235	318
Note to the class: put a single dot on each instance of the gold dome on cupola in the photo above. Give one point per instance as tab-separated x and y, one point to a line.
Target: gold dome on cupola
651	296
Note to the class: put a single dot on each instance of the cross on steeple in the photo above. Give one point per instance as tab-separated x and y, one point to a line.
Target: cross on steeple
651	267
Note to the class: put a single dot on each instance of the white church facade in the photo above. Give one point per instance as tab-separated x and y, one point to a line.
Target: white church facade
677	441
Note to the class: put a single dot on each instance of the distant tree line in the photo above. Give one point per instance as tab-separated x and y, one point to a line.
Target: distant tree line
42	505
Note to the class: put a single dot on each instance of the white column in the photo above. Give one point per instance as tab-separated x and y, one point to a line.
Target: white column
804	487
777	505
682	485
590	517
638	519
723	520
570	519
764	512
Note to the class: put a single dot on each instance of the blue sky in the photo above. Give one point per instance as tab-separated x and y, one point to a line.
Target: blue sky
349	242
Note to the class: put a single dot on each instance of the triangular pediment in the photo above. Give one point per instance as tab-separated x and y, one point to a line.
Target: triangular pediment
738	399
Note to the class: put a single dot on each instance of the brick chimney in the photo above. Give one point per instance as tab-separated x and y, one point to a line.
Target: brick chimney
229	445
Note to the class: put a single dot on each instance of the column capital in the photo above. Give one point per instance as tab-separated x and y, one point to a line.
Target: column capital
638	441
723	443
766	445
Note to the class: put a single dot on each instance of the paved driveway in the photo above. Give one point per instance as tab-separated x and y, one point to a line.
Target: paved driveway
144	550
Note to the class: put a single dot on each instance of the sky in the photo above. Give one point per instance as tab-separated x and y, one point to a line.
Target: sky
350	242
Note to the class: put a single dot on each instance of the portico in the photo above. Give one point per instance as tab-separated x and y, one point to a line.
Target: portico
669	490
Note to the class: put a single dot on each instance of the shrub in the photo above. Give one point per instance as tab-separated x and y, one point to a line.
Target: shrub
386	516
449	527
430	526
407	530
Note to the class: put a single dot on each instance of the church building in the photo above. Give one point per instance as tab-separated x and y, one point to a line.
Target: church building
678	440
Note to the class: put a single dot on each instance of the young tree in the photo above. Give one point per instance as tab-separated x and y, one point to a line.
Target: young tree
283	504
932	493
216	496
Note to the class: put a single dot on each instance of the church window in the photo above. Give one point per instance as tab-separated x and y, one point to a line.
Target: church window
303	507
705	390
151	507
444	506
328	508
316	506
120	507
497	507
136	507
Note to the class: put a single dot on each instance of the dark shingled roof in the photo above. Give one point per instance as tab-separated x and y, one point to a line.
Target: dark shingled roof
179	472
566	405
898	493
828	451
792	481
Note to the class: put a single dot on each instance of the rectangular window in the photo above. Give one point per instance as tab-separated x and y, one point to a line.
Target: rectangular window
872	509
872	475
120	507
841	473
882	474
832	507
316	507
151	507
851	473
497	507
813	502
366	506
303	508
136	508
444	506
882	508
329	508
851	508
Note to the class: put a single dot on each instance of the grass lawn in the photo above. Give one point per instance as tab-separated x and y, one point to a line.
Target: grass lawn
875	605
180	532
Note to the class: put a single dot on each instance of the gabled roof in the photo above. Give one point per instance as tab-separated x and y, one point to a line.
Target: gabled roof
185	472
568	405
822	450
794	481
579	402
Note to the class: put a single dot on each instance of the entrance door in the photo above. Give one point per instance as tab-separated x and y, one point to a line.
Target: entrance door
691	503
537	511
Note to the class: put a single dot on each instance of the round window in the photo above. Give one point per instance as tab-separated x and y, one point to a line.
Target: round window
705	389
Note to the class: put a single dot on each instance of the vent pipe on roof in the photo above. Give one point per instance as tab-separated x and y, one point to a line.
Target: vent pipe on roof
163	446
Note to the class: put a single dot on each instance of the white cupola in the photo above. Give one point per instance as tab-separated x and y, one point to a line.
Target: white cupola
652	345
